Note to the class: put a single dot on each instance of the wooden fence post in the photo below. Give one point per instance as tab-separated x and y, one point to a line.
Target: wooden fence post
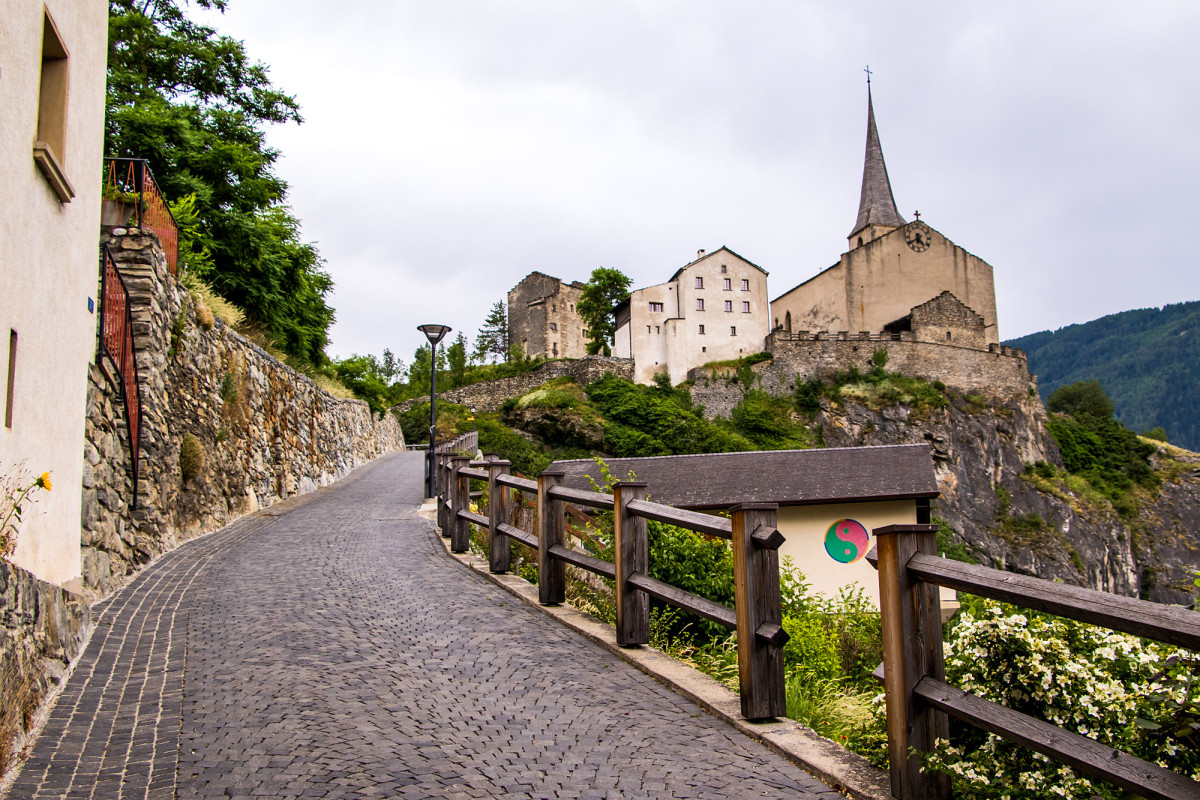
498	544
760	631
552	574
912	650
631	554
440	460
461	492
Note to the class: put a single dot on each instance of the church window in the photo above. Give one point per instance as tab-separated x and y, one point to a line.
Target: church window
745	306
733	330
701	330
555	348
860	241
745	284
699	302
729	305
656	307
728	284
12	376
699	282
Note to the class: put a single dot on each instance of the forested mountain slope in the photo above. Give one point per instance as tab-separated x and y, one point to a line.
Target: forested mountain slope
1147	360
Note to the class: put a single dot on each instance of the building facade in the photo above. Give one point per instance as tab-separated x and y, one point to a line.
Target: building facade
53	56
714	309
542	317
891	267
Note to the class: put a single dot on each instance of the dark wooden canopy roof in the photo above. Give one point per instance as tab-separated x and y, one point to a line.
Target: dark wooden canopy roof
786	477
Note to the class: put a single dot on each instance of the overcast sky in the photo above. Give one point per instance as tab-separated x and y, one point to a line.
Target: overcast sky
451	147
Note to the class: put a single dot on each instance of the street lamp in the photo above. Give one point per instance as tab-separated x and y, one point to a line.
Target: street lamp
434	333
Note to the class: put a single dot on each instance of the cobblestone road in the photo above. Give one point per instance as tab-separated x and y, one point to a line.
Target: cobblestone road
328	648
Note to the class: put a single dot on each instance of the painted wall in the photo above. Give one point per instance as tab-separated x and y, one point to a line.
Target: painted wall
49	269
883	280
671	340
805	529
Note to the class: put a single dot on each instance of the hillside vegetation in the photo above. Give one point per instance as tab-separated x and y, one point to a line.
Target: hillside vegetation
1148	362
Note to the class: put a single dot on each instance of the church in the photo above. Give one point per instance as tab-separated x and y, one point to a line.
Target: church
890	273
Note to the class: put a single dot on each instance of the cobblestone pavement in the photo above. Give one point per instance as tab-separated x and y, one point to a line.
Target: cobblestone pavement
328	648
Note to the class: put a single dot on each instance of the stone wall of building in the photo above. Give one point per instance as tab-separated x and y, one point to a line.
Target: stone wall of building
42	628
486	397
543	319
226	428
998	371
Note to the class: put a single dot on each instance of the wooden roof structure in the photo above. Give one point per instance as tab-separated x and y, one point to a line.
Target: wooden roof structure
786	477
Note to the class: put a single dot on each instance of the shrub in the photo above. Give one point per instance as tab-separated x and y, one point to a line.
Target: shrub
812	649
191	457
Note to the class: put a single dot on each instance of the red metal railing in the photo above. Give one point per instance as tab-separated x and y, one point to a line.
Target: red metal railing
132	197
116	342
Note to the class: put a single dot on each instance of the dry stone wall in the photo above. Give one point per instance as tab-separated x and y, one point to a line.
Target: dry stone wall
487	396
997	371
226	428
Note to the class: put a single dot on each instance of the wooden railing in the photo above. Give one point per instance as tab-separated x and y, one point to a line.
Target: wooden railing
132	197
757	615
116	342
919	699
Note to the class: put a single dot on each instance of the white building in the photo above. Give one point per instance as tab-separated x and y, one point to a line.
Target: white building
53	56
713	309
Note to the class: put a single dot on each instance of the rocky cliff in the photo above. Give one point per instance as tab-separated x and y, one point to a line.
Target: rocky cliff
1007	513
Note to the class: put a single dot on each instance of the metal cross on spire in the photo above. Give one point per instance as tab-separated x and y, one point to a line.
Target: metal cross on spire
868	71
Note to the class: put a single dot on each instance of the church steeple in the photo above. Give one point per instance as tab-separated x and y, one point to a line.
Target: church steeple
876	207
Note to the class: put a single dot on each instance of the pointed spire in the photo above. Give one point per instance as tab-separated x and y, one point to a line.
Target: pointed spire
877	206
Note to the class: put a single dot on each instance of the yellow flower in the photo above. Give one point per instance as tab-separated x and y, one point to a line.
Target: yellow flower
44	481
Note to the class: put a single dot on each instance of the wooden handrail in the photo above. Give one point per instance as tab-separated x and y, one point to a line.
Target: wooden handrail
702	523
471	516
512	481
524	537
1170	624
700	606
1079	752
584	561
477	474
582	497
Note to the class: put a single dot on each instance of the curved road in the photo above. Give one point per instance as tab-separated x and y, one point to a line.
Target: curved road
328	648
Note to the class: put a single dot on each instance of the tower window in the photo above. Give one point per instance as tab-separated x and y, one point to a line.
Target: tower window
947	336
860	241
701	330
723	269
656	307
49	150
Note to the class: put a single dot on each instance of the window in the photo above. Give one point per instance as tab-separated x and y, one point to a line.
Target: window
723	269
572	306
553	326
647	329
656	329
703	349
655	307
12	376
553	307
745	306
745	284
727	284
729	305
699	282
699	302
733	330
49	149
701	330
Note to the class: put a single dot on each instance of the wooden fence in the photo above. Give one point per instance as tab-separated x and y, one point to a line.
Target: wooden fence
918	700
913	673
757	615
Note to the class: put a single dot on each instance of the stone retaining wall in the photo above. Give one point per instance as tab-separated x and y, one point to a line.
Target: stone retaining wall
1000	372
42	627
486	397
257	430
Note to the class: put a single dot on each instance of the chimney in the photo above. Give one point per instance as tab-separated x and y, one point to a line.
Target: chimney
700	253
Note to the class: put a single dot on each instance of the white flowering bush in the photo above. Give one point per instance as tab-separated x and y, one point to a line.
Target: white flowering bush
1132	695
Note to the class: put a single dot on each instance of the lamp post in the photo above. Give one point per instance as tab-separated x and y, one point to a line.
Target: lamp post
434	333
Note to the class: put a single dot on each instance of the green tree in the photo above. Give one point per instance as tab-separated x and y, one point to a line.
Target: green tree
604	291
493	338
195	106
456	355
1085	398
